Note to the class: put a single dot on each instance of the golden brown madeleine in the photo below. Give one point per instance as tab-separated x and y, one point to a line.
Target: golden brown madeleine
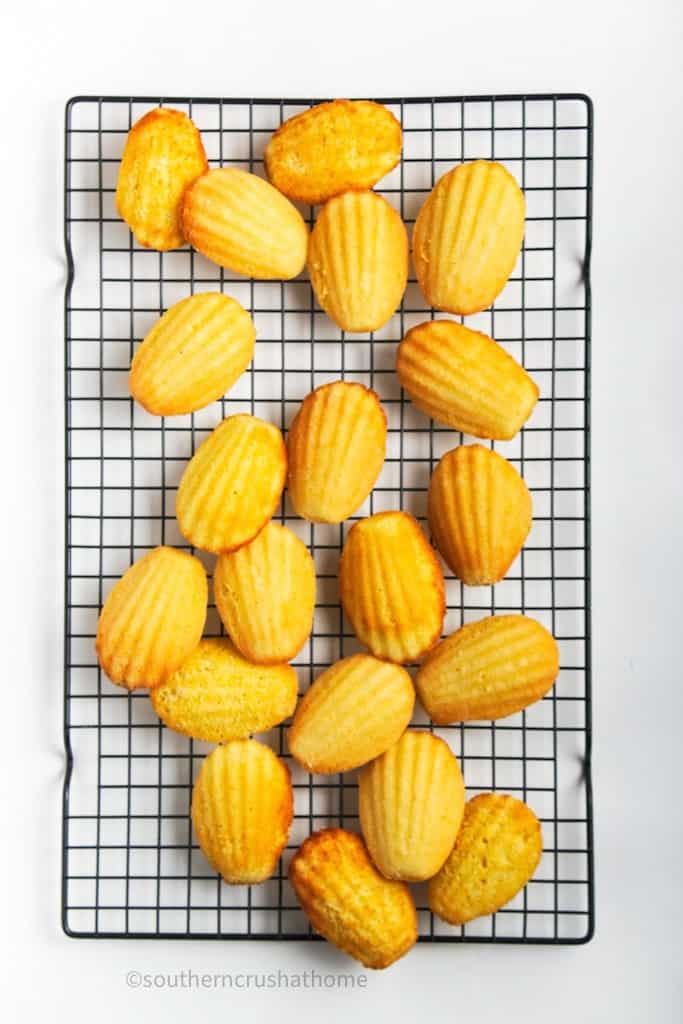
217	695
244	224
353	712
488	669
467	236
391	586
411	802
464	379
349	902
192	355
498	848
153	618
242	809
331	148
358	260
479	512
232	484
265	595
162	156
336	446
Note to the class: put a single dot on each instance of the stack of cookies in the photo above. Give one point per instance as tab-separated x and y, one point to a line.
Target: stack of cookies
415	822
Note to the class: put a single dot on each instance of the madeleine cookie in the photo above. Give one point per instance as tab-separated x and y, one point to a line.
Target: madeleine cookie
217	695
479	512
162	156
242	808
336	446
353	712
467	237
358	260
391	586
411	802
464	379
265	595
152	619
192	355
498	848
232	484
331	148
349	903
240	222
488	670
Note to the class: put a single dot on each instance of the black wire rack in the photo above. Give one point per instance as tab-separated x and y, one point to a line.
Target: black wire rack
131	866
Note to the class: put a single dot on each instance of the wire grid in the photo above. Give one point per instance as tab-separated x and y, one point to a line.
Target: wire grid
131	866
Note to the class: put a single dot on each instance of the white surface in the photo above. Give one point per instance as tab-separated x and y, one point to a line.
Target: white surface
627	57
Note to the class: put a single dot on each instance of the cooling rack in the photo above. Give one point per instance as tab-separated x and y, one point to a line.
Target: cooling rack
131	866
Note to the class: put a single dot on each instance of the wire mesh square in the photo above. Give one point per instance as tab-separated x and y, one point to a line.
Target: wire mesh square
131	866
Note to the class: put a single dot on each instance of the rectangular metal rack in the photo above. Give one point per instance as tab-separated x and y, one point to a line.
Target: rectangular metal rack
131	866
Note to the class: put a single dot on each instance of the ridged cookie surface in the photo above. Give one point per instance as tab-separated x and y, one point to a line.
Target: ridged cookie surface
479	512
192	355
349	902
411	802
331	148
242	809
467	237
265	595
162	156
240	222
498	848
358	260
391	586
232	484
336	446
217	695
464	379
353	712
488	669
153	618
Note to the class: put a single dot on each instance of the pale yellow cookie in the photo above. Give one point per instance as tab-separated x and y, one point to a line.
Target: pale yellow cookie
349	902
467	236
498	848
358	260
411	802
217	695
353	712
153	618
265	595
336	446
242	809
162	156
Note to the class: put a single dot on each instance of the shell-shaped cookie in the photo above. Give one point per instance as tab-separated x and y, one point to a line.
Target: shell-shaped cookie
232	484
467	237
479	512
411	802
349	902
336	446
391	586
162	156
331	148
192	355
358	260
464	379
497	850
265	595
153	618
217	695
242	808
240	222
488	669
352	713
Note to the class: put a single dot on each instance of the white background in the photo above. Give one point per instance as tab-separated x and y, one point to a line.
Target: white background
627	56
